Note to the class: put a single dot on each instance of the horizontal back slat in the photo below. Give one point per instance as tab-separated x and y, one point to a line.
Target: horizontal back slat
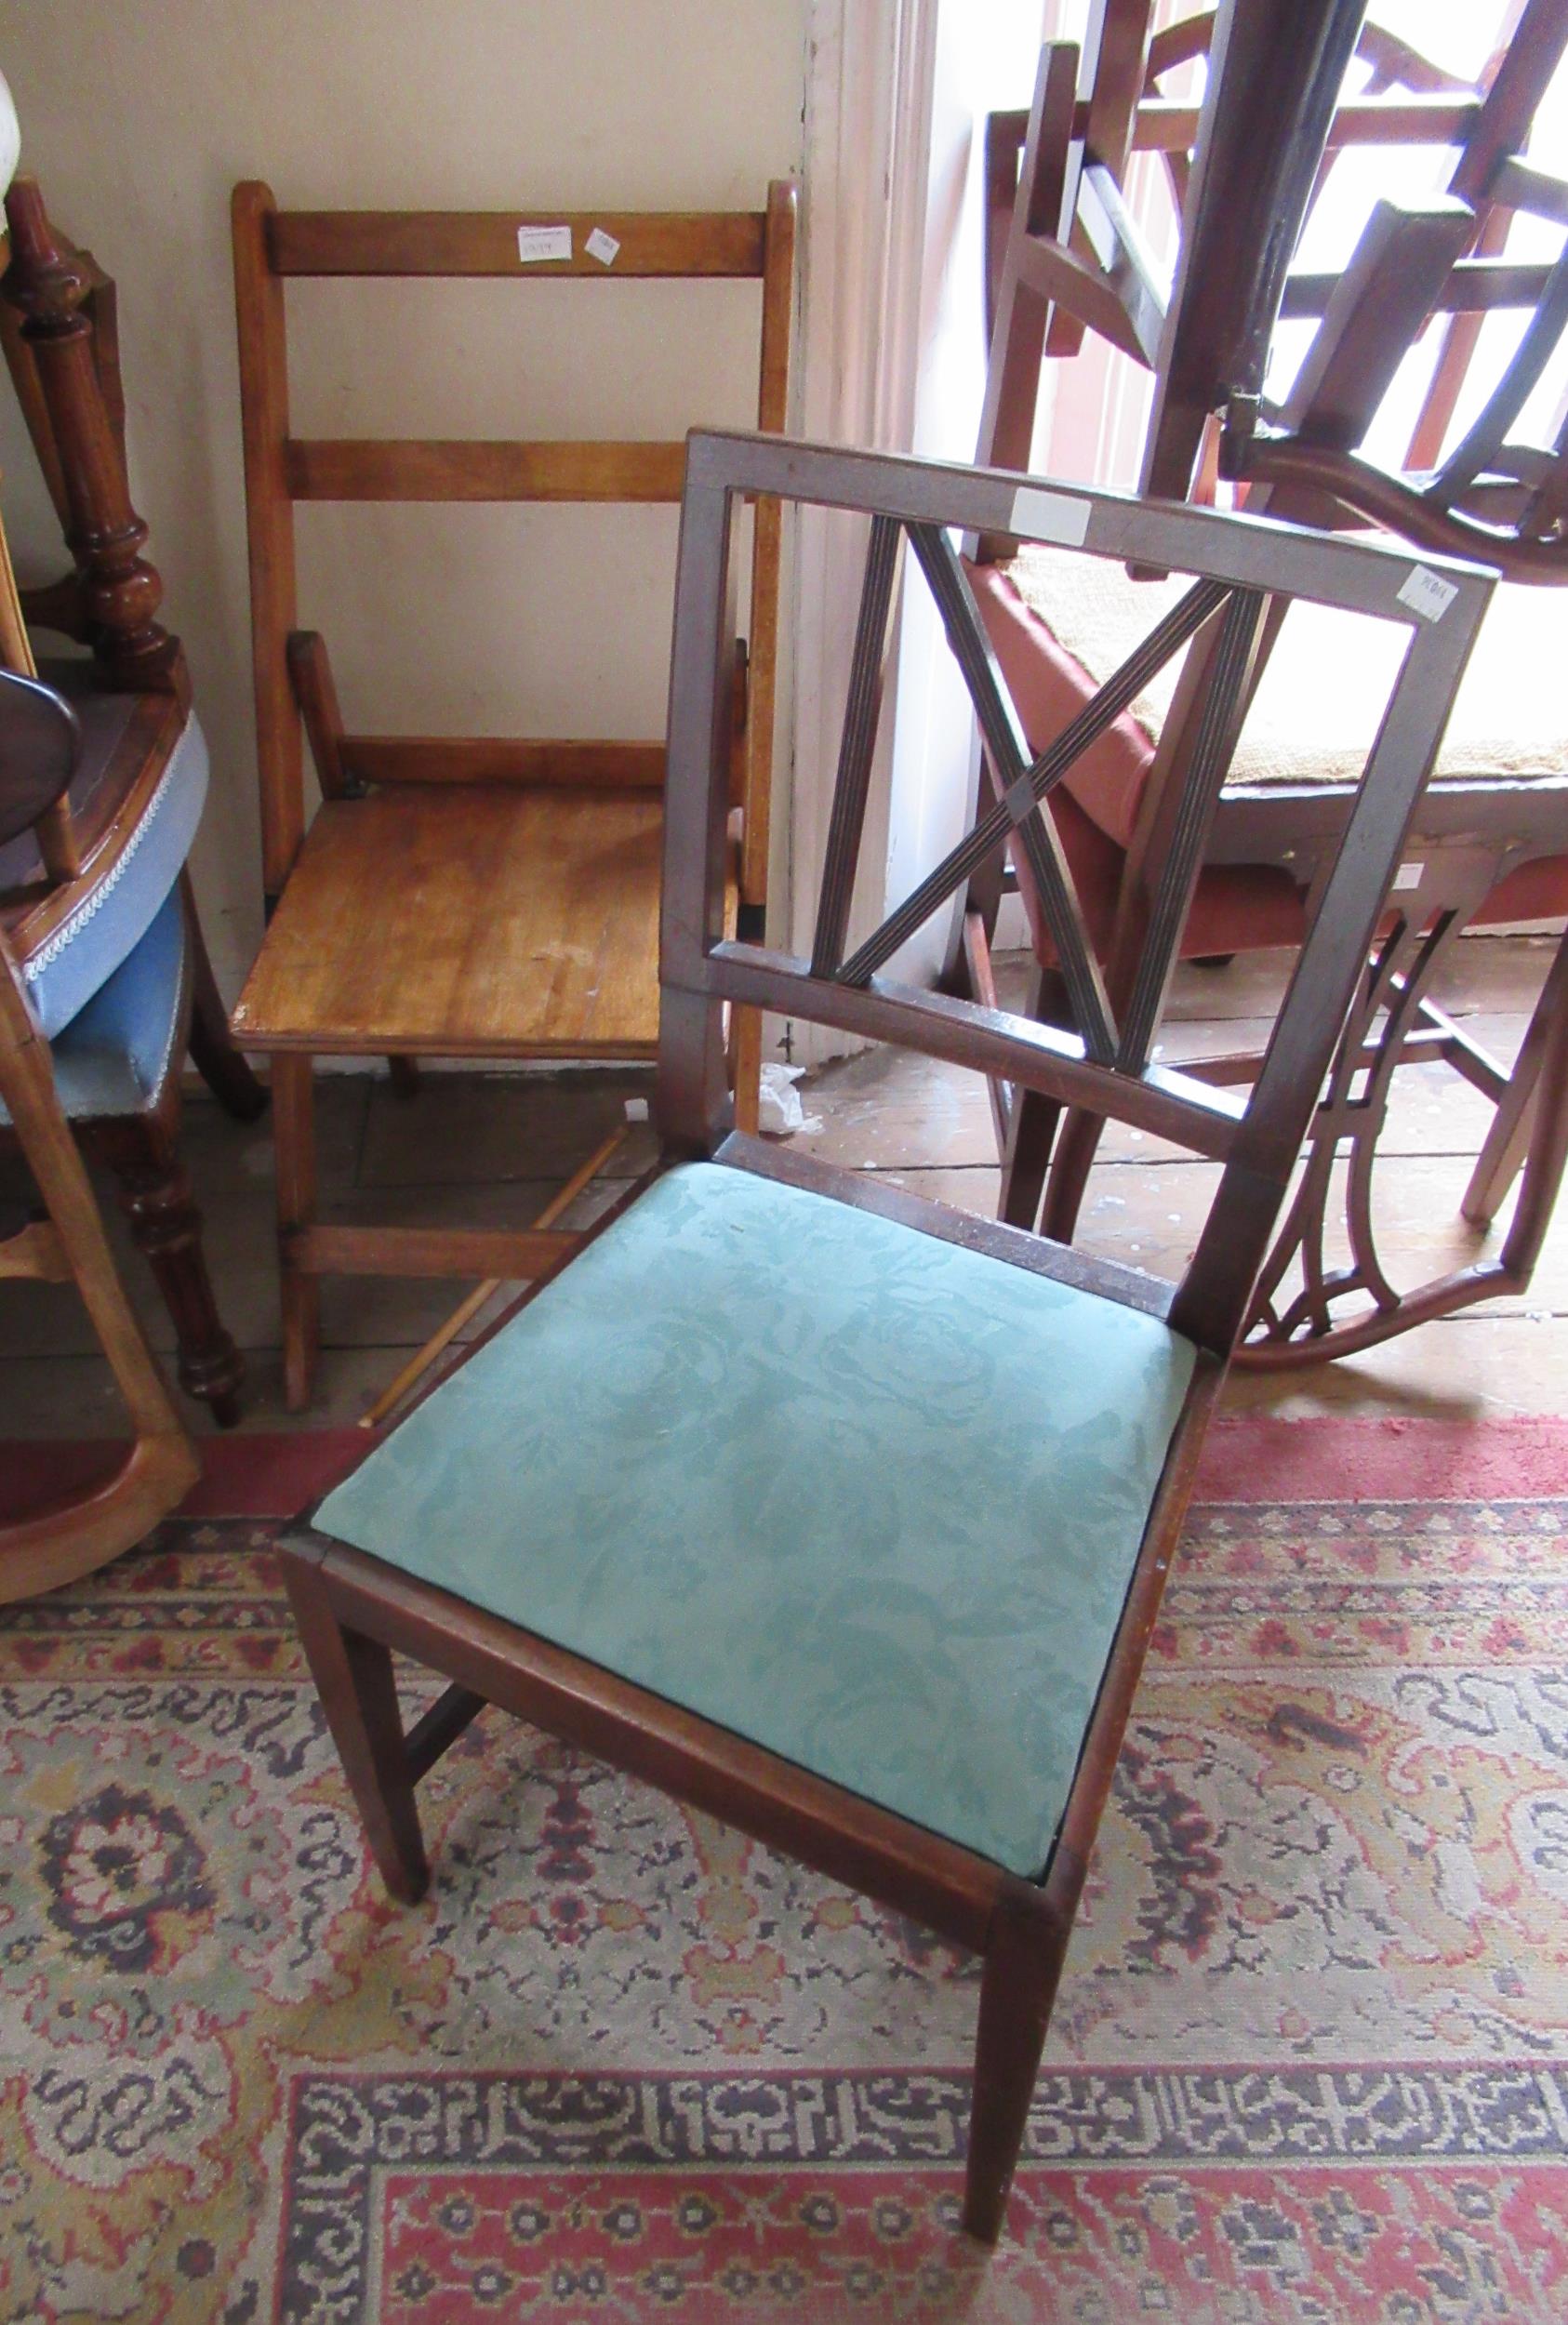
1170	1105
1164	125
697	242
1474	286
571	764
423	469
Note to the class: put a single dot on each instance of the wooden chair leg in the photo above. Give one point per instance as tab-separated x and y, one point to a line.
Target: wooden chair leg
166	1224
1023	1964
1074	1158
353	1677
1507	1141
294	1139
405	1072
224	1070
1032	1131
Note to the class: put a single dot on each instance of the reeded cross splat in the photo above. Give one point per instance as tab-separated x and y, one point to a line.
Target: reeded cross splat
1021	781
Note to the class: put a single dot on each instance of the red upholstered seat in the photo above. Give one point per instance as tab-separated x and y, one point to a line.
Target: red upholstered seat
1239	908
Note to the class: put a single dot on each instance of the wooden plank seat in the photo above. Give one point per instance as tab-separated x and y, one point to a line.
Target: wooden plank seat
520	924
838	1514
470	897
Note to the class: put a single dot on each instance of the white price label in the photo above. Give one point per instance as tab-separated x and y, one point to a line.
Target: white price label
1042	516
602	246
537	245
1409	876
1426	593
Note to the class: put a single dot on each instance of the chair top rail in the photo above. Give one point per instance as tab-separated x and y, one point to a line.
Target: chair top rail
1357	576
526	245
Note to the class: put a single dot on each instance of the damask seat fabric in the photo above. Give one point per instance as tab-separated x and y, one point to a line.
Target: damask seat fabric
867	1498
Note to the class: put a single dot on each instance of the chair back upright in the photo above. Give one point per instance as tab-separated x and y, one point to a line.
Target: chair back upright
1109	1065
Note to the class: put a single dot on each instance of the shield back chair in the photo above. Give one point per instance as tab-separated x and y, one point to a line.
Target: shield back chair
1490	846
471	897
95	900
718	1499
78	1532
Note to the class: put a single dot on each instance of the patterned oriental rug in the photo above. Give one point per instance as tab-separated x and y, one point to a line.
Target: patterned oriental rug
1310	2060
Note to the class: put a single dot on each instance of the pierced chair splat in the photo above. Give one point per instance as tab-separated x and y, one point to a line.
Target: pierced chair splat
477	897
707	1500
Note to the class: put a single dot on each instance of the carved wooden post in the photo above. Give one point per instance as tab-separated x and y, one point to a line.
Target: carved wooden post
119	589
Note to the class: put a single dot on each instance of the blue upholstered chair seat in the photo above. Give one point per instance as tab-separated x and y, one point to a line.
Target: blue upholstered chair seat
867	1498
111	918
113	1056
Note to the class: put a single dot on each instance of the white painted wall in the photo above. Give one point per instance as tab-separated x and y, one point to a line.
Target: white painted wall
138	121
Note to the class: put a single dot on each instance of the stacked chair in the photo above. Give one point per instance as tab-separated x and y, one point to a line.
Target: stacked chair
1492	842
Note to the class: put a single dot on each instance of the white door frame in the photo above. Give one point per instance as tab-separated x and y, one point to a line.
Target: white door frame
868	73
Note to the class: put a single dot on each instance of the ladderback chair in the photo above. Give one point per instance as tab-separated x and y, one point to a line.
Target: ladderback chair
839	1514
475	897
1490	846
95	903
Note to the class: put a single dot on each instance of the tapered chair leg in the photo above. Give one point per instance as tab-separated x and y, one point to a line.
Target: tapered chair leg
1032	1120
353	1677
1074	1158
294	1137
1507	1141
1023	1964
226	1072
1032	1130
166	1224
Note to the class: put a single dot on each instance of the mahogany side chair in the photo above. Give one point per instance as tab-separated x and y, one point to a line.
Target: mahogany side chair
474	896
83	1529
1491	842
95	903
839	1514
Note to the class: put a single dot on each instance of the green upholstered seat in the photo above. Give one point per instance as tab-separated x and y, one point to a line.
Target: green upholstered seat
865	1498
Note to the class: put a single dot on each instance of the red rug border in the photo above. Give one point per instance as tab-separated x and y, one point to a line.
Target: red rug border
1249	1459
